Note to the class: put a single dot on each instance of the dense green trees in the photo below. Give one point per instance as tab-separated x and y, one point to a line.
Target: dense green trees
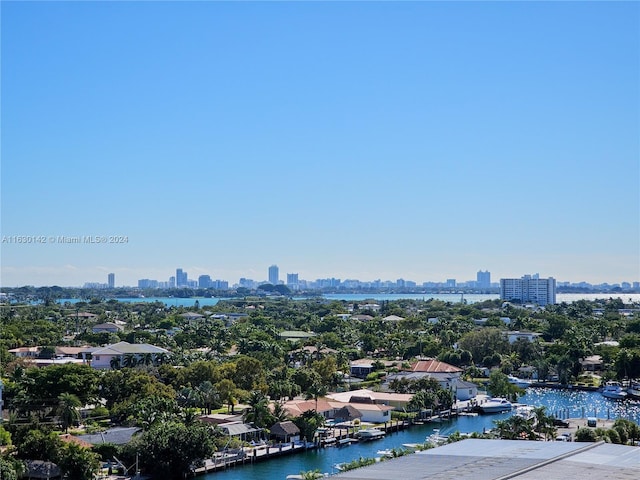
172	449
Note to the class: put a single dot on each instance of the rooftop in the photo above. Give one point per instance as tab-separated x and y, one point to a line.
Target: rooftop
477	459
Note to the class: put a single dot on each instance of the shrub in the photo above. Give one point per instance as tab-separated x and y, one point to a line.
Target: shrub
586	435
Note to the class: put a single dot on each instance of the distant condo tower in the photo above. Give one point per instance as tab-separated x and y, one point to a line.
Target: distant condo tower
530	288
274	276
181	278
111	280
483	279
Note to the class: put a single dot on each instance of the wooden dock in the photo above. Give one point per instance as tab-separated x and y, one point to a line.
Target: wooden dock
248	455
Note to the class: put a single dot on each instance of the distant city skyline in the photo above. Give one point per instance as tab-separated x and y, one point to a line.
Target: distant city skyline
483	279
415	140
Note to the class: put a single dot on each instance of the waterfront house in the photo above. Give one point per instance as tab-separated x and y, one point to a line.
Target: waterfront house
397	400
115	436
465	390
285	432
244	431
346	414
295	408
372	412
592	363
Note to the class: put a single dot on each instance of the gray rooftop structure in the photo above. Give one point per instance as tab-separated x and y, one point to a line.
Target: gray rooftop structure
480	459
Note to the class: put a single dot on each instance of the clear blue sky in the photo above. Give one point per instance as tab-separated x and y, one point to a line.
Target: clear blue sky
415	140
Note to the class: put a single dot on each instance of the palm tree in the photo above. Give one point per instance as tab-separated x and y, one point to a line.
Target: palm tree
147	359
130	360
209	396
258	413
279	413
68	410
115	363
544	423
315	390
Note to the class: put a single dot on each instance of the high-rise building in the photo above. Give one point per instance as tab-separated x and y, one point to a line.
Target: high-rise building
292	281
529	288
204	281
483	279
181	278
274	275
111	280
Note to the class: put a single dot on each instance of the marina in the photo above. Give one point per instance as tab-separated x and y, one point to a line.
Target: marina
563	404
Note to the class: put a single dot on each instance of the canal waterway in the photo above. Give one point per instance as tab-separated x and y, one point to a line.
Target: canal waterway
563	403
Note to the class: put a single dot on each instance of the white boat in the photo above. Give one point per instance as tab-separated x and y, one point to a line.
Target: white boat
633	390
436	438
524	411
496	405
385	453
413	446
519	382
370	434
316	475
343	442
614	391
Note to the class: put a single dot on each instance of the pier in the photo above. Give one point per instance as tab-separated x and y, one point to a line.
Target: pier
248	455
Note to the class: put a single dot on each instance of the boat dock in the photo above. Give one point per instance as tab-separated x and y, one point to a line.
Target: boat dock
248	455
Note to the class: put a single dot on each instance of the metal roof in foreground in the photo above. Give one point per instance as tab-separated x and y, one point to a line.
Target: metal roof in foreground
477	459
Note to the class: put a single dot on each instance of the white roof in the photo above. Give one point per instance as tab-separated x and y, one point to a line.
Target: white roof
122	348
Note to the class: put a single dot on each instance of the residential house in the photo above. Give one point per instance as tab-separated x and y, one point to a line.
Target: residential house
108	327
592	363
121	352
362	318
25	352
516	335
115	436
372	412
362	367
296	335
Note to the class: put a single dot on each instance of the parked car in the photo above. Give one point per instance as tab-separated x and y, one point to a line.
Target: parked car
560	423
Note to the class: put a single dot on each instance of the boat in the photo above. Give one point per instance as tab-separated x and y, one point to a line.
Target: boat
613	390
519	382
524	411
343	442
370	434
316	475
413	446
385	453
436	438
633	390
496	405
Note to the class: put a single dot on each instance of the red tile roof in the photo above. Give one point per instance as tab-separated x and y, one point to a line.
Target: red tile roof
434	366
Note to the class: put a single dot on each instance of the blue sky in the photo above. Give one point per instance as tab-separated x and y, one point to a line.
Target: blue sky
415	140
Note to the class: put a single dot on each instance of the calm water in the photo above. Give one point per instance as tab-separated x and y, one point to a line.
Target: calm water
556	401
446	297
